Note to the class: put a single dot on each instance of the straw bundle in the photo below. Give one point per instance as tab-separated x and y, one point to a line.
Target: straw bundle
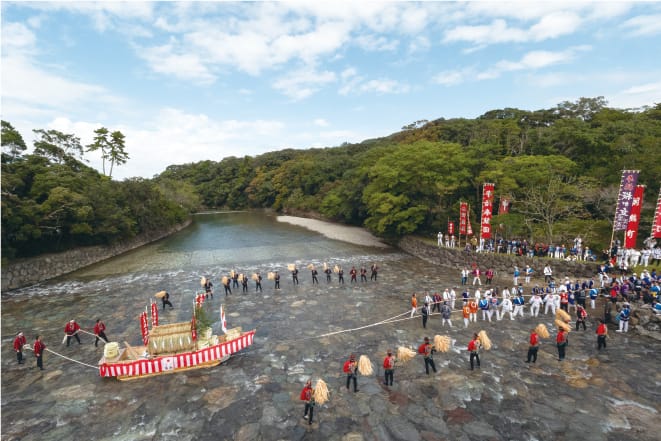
325	266
405	354
160	294
365	365
484	340
562	325
241	277
270	276
311	266
203	281
320	393
442	343
232	273
291	267
562	315
336	269
542	331
254	276
225	280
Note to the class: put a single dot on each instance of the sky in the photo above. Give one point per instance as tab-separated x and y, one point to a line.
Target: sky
186	82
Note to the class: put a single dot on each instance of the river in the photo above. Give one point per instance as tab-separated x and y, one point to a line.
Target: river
613	395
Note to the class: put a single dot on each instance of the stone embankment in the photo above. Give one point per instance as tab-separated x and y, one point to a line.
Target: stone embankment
29	271
502	264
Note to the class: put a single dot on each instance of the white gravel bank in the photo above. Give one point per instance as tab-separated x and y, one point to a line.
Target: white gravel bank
344	233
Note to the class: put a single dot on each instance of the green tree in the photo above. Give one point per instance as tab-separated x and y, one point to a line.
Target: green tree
13	145
117	153
103	144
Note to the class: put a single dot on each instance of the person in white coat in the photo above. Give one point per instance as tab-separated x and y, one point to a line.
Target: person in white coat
535	304
506	306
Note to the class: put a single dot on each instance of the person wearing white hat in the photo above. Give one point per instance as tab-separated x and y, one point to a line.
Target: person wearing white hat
19	342
71	330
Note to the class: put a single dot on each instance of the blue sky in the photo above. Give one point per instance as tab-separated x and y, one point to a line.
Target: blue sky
205	80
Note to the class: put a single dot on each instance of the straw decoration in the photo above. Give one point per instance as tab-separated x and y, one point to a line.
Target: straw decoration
254	276
291	267
562	325
311	266
484	340
241	277
320	393
405	354
542	331
336	269
203	281
365	365
224	280
270	276
442	343
325	266
232	273
562	315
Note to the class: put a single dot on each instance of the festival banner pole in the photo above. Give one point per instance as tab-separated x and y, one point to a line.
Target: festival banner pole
624	201
656	222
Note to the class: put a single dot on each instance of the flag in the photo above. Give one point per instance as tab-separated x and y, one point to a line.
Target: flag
631	233
487	210
193	327
223	324
504	206
624	199
154	314
199	299
656	226
451	228
463	218
144	328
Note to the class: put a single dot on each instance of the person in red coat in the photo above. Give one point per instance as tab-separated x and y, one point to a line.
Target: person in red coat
602	333
307	395
351	369
99	331
473	347
389	368
71	330
533	348
561	342
39	347
19	342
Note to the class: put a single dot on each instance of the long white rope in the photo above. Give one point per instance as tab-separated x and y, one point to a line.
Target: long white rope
28	347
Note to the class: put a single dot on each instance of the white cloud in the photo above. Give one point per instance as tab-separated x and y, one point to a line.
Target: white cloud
452	77
646	94
168	60
643	25
17	37
373	42
533	60
320	122
303	83
419	44
555	25
496	32
352	82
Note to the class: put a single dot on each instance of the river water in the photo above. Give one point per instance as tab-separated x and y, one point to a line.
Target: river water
613	395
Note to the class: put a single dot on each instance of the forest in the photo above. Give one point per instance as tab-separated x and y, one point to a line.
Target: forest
560	167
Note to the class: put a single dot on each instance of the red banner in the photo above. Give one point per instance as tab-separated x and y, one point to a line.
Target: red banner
154	314
631	232
463	218
504	206
451	228
487	210
199	299
193	328
144	328
469	229
656	227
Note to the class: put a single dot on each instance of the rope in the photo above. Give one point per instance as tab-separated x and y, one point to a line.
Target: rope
28	347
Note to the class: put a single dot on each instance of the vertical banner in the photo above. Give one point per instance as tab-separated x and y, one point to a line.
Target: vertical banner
634	217
469	229
193	328
154	314
624	199
656	226
223	323
504	206
451	228
463	218
487	210
144	328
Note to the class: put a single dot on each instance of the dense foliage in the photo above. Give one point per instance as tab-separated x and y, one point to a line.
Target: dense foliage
561	168
52	201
